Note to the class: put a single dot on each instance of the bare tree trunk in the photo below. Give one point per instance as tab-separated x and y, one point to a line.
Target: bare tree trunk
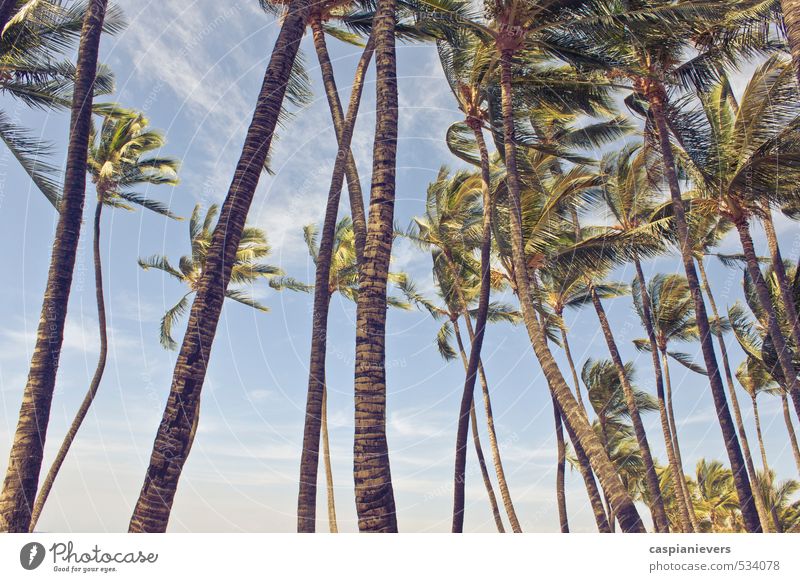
571	363
94	385
787	418
476	440
656	97
681	498
173	439
651	479
573	413
737	413
326	459
371	472
561	469
309	462
25	462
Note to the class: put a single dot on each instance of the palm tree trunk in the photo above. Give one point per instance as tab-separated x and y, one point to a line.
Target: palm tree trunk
372	475
787	296
681	499
571	363
676	443
762	291
573	413
656	97
764	463
476	339
326	459
25	462
6	12
561	469
476	440
94	385
787	419
737	413
791	21
173	439
651	478
309	462
344	127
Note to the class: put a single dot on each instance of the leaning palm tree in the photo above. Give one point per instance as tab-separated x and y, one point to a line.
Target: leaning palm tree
118	164
34	38
174	436
25	462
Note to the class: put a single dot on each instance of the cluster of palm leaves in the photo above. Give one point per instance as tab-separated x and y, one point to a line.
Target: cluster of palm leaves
560	187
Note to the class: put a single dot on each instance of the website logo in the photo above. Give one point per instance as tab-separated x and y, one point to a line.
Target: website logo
32	555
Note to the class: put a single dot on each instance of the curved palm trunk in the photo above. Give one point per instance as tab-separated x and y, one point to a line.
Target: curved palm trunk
787	419
681	497
474	365
778	340
326	460
675	443
573	413
571	363
309	462
25	462
656	97
737	412
173	439
787	296
476	440
791	20
47	485
561	469
344	127
371	472
651	478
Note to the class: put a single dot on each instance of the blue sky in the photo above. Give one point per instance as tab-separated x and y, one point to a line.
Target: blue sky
195	68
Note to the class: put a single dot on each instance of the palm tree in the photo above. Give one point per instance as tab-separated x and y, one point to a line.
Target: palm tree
717	505
22	476
779	497
791	24
117	165
33	39
343	279
752	151
174	436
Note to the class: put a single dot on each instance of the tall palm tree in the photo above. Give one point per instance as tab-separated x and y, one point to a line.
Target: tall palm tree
118	163
750	149
174	436
34	40
343	279
22	476
371	472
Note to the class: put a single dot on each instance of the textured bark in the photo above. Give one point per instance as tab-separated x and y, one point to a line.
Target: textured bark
737	412
25	462
173	439
309	462
94	385
791	20
333	526
371	472
681	499
773	512
344	127
765	300
651	478
787	419
656	97
476	339
476	440
573	413
561	469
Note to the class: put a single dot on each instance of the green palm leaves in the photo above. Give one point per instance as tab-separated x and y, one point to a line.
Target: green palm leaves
247	269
